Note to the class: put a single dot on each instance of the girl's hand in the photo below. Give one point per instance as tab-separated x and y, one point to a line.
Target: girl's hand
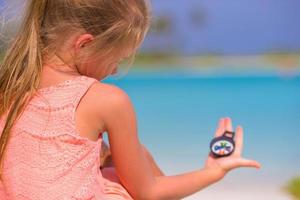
225	164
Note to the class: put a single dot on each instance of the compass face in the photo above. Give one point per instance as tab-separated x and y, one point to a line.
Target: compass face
222	147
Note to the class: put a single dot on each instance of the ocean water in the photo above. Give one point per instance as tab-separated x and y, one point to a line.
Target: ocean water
178	113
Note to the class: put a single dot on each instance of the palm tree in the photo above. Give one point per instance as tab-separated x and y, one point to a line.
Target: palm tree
161	24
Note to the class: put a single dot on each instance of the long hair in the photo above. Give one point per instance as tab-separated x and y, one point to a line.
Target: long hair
46	25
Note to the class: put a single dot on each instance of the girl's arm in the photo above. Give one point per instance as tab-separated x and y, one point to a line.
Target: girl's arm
157	171
106	159
133	169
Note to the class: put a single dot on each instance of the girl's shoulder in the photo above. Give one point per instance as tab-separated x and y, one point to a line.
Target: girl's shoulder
106	93
107	100
105	96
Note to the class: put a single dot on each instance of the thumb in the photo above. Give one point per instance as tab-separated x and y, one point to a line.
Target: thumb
248	163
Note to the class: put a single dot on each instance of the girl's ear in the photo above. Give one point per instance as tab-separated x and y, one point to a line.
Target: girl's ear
82	40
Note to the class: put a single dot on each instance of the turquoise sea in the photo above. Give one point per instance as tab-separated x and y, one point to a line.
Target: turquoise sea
178	113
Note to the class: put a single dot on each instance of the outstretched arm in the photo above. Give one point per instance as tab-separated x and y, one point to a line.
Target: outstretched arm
134	170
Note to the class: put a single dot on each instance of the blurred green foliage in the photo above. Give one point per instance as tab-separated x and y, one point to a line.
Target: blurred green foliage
154	58
293	188
158	59
284	60
161	24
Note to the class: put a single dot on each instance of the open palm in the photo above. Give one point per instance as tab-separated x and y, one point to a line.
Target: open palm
235	160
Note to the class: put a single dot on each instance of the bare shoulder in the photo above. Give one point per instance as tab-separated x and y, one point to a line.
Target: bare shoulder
107	101
107	94
100	105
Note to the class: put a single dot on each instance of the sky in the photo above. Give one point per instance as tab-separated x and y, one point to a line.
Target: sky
227	27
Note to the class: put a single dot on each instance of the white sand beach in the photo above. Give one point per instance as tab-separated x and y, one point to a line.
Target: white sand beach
216	192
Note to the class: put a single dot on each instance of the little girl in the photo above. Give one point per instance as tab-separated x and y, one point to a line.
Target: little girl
54	110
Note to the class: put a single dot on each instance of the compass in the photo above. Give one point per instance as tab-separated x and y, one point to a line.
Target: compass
224	145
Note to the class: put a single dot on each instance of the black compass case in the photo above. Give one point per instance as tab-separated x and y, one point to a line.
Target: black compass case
224	145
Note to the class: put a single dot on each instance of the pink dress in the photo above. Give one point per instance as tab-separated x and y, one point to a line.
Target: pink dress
46	158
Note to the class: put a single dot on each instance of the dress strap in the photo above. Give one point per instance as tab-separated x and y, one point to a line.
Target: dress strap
83	88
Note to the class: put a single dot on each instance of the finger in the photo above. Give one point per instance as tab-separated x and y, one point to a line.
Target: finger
221	128
228	124
238	141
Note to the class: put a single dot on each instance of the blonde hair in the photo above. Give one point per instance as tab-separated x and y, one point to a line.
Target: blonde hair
113	23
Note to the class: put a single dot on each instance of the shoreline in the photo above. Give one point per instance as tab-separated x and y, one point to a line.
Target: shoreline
207	73
273	60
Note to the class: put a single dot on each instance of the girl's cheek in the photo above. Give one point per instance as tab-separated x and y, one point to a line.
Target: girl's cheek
115	70
113	66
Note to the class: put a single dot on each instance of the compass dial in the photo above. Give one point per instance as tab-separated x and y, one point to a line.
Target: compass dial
222	147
